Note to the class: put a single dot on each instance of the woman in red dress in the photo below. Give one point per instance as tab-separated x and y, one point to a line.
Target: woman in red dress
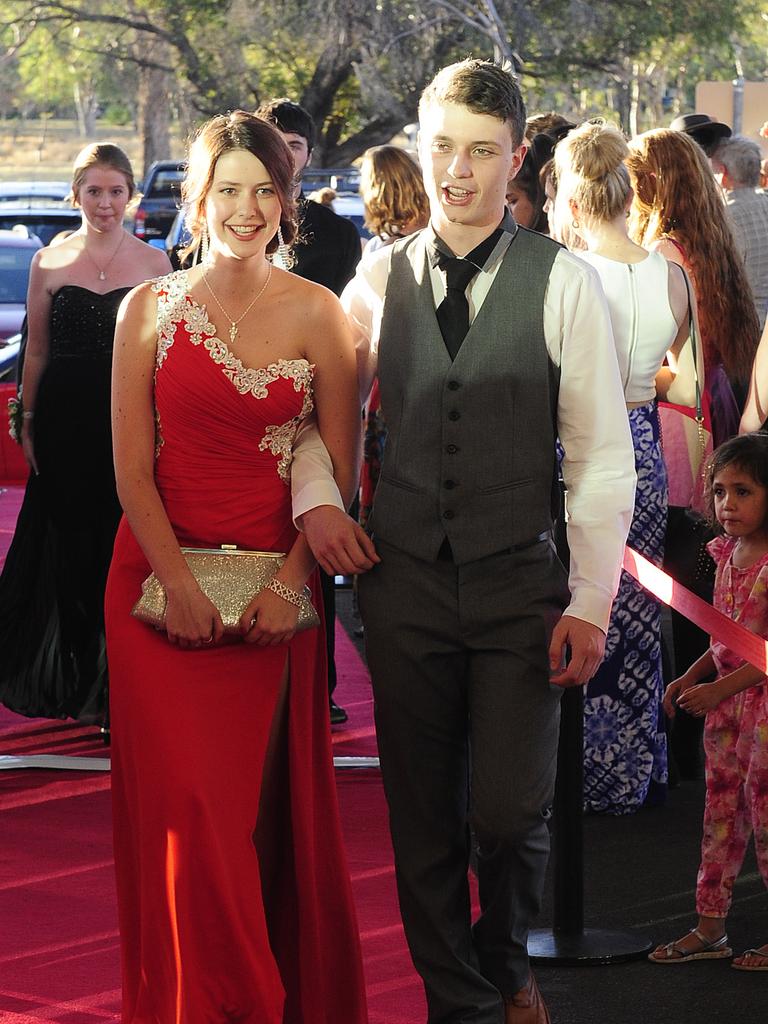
234	899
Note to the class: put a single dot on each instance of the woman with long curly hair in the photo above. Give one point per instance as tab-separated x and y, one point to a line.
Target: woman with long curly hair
678	210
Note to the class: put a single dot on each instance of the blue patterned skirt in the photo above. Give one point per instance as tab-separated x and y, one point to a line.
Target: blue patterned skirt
625	746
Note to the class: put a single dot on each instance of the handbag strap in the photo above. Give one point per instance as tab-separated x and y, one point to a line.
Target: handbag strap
693	335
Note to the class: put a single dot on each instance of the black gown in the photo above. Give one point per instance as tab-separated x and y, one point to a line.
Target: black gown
53	662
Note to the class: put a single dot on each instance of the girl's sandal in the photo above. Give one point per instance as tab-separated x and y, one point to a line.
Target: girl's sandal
760	955
672	953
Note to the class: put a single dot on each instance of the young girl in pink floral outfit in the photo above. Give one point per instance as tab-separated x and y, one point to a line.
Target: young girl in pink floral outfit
735	705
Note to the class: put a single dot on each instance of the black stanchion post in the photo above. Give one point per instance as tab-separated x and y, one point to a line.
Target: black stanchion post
569	942
568	838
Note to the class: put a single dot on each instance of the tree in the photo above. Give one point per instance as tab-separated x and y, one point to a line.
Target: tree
359	68
357	71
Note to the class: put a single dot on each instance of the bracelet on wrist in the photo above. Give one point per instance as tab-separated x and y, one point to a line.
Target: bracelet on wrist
282	590
28	414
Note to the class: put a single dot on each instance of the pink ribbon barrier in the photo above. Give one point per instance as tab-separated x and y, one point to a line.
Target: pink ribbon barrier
737	638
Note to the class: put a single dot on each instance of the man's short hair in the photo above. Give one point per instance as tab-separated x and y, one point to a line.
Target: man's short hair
288	116
484	88
741	157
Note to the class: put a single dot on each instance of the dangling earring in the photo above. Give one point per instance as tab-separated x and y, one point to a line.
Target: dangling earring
203	247
575	224
283	256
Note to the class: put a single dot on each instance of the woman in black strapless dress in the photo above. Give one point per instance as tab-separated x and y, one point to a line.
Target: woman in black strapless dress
52	586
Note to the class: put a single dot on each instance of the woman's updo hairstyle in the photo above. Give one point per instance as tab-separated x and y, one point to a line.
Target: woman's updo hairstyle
101	154
220	135
590	168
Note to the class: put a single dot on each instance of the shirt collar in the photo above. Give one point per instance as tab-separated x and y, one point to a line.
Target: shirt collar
437	250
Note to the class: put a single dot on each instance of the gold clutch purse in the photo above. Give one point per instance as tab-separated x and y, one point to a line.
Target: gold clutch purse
231	579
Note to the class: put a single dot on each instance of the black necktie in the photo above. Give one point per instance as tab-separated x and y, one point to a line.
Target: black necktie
453	311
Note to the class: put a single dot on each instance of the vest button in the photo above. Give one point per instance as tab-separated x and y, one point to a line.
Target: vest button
449	513
453	385
451	448
450	484
454	414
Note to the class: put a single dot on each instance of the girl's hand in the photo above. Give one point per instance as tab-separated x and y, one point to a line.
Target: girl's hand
698	700
28	445
672	694
192	620
269	620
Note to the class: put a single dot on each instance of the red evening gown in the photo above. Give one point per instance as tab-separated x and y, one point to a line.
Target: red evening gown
212	930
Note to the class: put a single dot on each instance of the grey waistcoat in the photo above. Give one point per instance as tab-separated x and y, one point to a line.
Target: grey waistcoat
470	449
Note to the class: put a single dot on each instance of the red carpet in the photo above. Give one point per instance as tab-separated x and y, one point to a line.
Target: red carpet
10	503
58	928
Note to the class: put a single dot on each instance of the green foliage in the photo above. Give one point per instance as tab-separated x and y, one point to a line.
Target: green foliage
359	67
118	113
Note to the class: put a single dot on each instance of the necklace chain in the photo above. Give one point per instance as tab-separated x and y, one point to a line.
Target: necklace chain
103	270
233	323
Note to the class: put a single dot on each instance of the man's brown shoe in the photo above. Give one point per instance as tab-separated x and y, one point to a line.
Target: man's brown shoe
526	1006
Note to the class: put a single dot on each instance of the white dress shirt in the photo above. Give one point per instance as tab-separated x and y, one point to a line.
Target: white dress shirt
598	468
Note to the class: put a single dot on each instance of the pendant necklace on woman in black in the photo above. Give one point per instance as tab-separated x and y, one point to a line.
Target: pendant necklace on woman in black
103	270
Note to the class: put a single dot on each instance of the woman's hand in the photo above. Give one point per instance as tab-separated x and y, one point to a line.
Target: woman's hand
269	620
28	444
191	619
698	700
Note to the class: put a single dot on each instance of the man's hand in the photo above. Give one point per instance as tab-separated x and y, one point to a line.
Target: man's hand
339	544
587	643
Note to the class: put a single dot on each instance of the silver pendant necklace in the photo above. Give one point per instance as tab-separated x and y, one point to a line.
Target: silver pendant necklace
103	270
233	323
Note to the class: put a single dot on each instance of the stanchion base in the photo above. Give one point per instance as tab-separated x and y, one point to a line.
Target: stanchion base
587	948
356	762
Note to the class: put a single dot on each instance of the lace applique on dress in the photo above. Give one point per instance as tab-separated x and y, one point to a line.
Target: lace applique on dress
175	306
278	439
256	382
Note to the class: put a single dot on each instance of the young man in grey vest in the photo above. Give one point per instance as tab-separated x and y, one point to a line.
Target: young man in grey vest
489	342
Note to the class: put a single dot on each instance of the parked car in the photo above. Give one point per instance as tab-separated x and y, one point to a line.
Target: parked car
44	219
34	193
350	205
16	251
9	359
341	179
160	201
176	239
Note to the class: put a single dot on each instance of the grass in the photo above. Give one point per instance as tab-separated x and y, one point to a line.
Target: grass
43	150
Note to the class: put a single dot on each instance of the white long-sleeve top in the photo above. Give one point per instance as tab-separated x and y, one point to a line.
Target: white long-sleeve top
598	468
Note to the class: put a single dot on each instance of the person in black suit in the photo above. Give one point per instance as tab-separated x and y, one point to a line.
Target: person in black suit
327	253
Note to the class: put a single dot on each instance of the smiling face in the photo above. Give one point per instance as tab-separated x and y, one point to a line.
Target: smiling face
741	503
103	195
467	160
242	208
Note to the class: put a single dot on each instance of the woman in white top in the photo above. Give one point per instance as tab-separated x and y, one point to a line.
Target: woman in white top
624	738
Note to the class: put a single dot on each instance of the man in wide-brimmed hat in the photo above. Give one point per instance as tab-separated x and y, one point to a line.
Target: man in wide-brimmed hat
708	133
